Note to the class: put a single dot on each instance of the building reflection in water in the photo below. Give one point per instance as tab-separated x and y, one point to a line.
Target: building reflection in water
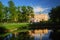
40	34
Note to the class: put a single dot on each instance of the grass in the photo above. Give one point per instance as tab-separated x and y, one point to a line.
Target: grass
14	25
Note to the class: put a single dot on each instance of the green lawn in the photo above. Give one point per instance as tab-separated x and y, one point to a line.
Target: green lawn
13	26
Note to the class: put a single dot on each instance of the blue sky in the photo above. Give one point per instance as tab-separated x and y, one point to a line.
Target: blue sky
43	6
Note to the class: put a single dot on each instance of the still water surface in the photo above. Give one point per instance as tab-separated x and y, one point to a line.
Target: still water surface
36	36
43	36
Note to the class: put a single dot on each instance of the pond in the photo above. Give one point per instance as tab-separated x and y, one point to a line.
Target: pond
46	36
42	34
26	36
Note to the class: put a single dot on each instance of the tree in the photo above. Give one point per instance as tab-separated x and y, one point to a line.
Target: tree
55	17
14	14
12	11
19	14
6	14
24	13
1	12
30	11
55	14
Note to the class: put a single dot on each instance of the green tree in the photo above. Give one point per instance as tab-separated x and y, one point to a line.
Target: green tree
19	14
30	11
6	14
55	17
55	14
1	12
24	13
12	11
14	14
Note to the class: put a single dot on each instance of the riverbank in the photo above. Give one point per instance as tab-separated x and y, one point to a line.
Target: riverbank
7	28
13	25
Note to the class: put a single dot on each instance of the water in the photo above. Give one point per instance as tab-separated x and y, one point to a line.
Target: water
46	36
8	37
43	36
36	36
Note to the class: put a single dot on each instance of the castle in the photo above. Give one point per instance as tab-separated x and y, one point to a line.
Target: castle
40	17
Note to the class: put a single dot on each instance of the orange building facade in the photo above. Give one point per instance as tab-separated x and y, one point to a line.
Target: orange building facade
40	17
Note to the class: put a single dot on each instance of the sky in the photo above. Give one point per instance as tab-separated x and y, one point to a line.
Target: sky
39	6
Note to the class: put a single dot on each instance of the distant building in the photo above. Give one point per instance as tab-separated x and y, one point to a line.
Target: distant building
39	17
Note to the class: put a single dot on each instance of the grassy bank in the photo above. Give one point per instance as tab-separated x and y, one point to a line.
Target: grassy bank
15	25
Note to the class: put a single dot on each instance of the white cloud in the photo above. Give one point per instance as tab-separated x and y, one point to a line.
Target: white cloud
39	9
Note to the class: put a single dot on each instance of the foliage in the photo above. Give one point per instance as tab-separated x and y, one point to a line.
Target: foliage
55	21
55	14
12	13
1	12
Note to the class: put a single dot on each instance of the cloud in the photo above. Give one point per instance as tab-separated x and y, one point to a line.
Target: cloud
39	9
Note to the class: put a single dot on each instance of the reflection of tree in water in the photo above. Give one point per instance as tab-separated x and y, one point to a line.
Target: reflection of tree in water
20	36
55	35
3	31
24	36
